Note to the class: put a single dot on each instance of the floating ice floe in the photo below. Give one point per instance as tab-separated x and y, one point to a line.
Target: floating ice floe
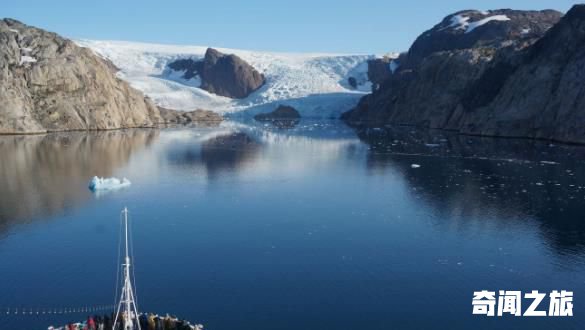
432	145
415	165
100	184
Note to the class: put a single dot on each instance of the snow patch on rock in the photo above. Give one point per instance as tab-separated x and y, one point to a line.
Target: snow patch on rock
27	59
394	65
474	25
179	76
458	22
461	22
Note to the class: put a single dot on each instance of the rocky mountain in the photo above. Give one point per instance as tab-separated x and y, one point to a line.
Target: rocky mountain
221	74
482	29
380	69
47	83
539	94
456	74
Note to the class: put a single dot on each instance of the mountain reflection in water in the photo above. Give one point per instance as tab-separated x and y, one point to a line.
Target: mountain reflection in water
467	178
218	153
316	226
41	175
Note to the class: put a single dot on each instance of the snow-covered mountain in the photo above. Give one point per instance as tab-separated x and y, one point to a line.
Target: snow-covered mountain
316	84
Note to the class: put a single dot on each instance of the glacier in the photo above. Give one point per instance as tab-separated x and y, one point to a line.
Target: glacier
315	84
101	184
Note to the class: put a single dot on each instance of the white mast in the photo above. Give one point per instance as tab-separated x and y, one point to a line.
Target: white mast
127	304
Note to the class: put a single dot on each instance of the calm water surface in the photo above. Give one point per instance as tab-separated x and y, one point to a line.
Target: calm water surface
246	226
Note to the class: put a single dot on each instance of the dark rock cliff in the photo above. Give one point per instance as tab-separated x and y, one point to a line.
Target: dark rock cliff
221	74
503	73
541	92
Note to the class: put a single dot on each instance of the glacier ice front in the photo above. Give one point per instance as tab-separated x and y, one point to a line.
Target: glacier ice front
97	183
317	85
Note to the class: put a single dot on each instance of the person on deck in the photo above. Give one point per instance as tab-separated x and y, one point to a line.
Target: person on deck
151	323
168	323
107	322
91	323
143	320
158	323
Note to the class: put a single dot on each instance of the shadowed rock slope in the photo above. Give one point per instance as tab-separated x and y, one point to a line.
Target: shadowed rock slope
540	94
501	73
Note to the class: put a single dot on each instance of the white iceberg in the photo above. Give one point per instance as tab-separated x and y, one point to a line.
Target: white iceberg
97	183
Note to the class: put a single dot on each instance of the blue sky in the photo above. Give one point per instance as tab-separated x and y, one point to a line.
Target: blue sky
354	26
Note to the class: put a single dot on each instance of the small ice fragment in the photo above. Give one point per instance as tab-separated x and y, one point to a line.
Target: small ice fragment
415	165
107	183
432	145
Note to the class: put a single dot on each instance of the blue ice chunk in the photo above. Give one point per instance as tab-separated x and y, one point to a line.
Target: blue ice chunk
97	183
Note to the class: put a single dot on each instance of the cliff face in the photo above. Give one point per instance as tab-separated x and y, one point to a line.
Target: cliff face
221	74
47	83
502	73
541	93
425	96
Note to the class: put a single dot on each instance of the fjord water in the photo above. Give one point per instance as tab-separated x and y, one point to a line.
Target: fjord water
249	226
